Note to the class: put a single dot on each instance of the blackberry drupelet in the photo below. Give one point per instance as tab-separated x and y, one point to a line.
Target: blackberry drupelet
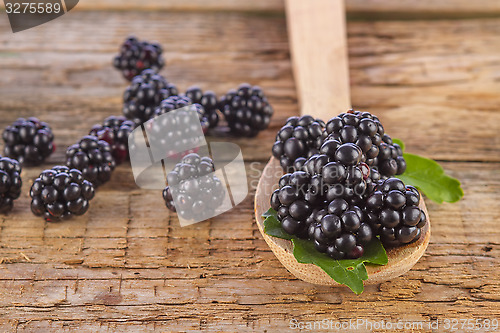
365	130
144	94
197	190
299	139
136	56
59	193
246	110
10	183
115	131
29	141
176	102
208	100
320	203
393	212
93	157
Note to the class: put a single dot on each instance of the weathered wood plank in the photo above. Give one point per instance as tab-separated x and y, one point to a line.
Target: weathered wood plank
384	8
397	72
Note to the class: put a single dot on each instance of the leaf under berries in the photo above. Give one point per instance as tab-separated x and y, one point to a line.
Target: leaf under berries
272	226
349	272
429	177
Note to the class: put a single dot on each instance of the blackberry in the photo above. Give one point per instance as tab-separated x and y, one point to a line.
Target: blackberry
175	134
176	102
365	130
93	157
208	100
299	139
30	141
320	202
10	183
144	94
393	212
246	110
115	131
59	193
136	56
197	190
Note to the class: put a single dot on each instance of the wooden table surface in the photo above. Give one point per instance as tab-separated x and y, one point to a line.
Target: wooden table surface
127	265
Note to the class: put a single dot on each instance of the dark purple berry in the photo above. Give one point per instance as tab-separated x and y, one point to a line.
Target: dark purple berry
136	56
29	141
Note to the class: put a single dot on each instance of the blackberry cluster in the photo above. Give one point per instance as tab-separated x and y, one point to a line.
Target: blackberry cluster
196	189
208	100
59	193
392	211
176	102
366	131
10	183
115	131
93	157
246	110
144	94
135	56
298	140
30	141
321	202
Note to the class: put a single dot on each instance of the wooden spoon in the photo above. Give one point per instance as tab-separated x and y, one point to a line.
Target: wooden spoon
319	53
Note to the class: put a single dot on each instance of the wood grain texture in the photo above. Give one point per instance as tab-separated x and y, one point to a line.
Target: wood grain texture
318	45
394	8
129	267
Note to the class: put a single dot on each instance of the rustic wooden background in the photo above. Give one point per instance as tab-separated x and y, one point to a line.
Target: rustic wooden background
431	71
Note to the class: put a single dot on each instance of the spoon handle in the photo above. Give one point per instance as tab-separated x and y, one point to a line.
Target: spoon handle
317	34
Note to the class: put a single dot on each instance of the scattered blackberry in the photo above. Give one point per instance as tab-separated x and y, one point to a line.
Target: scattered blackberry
135	56
299	139
176	102
176	134
144	94
59	193
197	190
208	100
30	141
93	157
246	110
320	203
10	183
365	130
392	211
115	131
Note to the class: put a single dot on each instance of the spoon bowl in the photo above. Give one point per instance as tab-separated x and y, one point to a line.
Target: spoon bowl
401	259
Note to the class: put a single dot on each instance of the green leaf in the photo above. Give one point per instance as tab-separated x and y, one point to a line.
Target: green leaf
351	272
399	142
429	177
272	226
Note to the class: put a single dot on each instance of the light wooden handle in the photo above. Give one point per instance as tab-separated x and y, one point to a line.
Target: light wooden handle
317	34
